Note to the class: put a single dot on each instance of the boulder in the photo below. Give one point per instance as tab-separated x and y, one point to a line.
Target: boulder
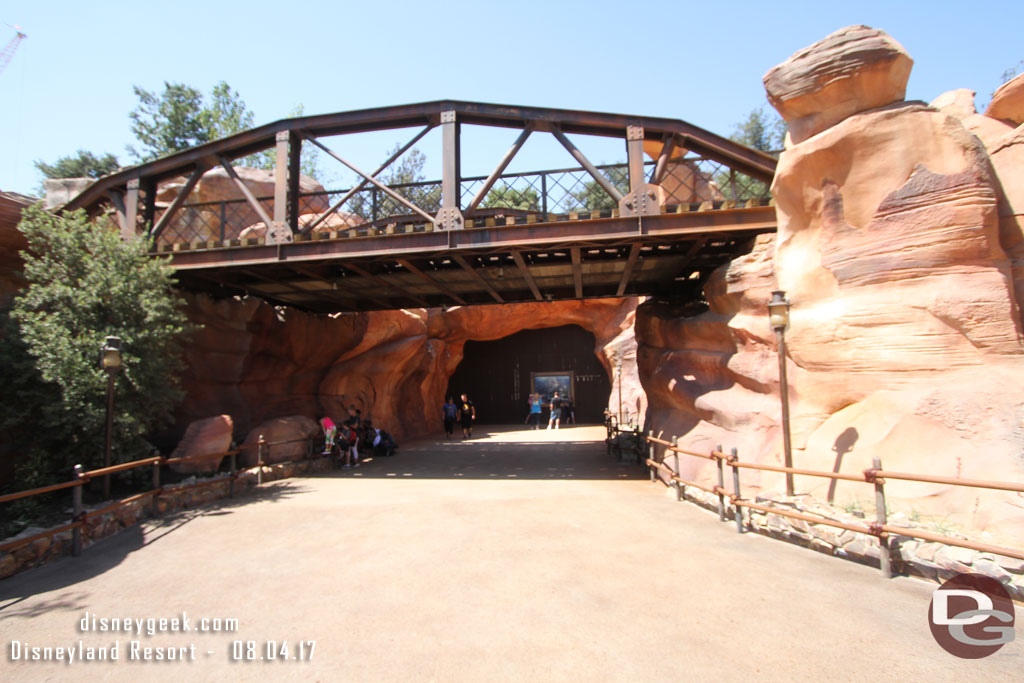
208	219
210	437
1008	102
287	439
960	105
855	69
59	191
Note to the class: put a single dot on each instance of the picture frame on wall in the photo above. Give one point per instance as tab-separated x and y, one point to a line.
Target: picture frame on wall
547	383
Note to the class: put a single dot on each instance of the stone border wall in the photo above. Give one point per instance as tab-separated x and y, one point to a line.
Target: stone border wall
172	498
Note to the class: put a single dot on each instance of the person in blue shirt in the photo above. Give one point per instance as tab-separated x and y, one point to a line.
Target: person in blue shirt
449	413
535	408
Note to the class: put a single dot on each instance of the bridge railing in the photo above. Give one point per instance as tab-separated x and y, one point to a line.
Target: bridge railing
875	476
80	516
557	191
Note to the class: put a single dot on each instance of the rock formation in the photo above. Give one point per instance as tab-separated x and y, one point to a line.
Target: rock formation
854	69
1008	102
256	363
218	209
899	240
208	437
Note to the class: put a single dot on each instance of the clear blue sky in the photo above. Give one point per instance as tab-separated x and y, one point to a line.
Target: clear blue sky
69	86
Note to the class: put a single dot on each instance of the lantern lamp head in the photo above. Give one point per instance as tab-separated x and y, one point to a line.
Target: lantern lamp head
110	354
778	311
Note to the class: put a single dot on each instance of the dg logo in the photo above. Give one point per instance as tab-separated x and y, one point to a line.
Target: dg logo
971	616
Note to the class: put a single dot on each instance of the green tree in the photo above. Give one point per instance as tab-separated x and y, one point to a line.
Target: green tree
592	197
401	176
507	197
85	283
168	123
181	118
762	131
83	164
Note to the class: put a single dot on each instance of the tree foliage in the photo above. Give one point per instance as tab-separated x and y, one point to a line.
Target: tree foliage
83	164
762	131
181	118
592	197
85	283
401	176
507	197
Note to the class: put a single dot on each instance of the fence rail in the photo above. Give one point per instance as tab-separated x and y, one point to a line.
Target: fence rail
874	475
80	515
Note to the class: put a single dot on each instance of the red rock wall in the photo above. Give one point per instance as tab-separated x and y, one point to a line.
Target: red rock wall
256	363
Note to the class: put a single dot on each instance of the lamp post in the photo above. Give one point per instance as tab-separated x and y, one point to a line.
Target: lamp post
110	361
778	317
620	390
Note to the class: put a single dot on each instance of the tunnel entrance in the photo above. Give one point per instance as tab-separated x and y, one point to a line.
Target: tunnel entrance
499	375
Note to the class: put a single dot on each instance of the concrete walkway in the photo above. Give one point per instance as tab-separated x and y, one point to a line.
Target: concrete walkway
490	560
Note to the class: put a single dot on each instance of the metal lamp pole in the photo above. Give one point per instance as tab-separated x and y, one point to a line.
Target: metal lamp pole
620	391
110	361
778	316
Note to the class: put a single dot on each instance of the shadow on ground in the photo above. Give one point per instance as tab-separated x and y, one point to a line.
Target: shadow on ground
109	552
503	452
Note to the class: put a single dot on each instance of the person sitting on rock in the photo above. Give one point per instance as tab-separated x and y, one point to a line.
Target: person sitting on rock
381	442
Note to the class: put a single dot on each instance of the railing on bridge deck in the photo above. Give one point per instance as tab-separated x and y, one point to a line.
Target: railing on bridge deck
537	194
881	529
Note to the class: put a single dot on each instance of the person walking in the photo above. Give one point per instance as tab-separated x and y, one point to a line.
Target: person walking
467	413
535	408
449	413
556	411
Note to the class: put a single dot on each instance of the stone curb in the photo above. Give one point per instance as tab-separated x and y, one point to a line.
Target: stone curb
174	497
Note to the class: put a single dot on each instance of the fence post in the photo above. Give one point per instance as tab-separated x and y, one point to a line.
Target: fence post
881	516
76	512
721	485
737	510
156	484
678	485
259	459
234	467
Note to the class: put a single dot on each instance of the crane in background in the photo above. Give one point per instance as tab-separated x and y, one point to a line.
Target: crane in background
12	45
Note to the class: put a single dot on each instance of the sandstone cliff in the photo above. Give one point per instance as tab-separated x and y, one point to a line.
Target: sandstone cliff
900	246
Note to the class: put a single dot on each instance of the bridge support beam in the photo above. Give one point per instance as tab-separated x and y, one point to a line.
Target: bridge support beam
126	207
644	199
450	216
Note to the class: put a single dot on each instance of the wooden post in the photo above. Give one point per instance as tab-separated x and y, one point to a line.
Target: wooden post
721	485
737	510
156	485
678	485
260	444
234	468
76	512
881	516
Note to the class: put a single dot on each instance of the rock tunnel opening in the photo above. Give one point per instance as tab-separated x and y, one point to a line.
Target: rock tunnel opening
499	375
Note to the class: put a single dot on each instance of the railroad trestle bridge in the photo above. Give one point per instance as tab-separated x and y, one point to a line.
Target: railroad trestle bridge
684	202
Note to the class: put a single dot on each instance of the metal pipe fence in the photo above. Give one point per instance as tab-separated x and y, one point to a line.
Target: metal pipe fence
875	475
561	191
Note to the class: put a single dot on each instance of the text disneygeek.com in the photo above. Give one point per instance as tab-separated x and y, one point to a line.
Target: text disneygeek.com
141	649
